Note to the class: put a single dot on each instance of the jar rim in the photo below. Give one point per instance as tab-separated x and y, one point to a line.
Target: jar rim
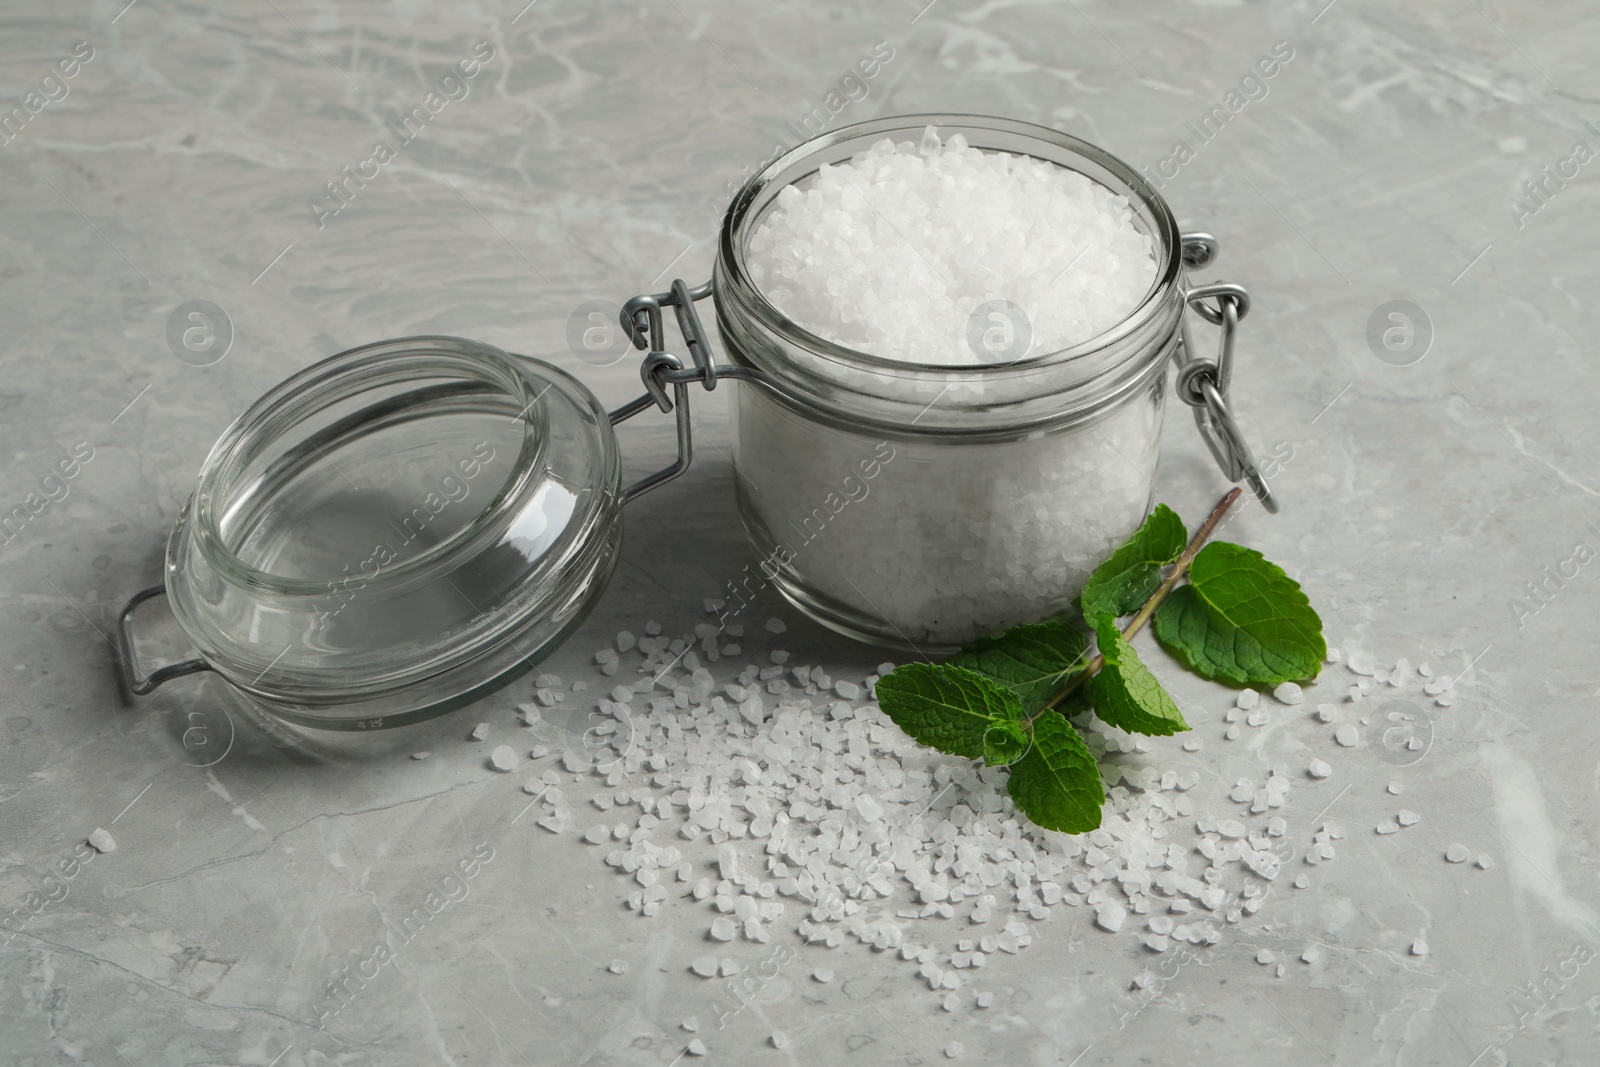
326	382
735	274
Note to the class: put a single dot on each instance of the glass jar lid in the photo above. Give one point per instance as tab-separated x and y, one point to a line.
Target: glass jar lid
397	529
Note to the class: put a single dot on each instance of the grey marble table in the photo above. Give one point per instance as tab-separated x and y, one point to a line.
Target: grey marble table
1436	494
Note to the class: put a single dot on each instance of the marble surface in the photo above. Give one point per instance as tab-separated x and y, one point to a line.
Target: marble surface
589	160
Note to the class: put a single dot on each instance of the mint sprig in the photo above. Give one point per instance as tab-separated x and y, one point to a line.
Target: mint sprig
1008	699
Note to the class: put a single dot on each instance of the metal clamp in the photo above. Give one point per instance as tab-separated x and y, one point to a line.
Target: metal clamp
1203	383
127	659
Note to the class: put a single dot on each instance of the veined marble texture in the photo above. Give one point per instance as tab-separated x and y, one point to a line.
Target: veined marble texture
1437	152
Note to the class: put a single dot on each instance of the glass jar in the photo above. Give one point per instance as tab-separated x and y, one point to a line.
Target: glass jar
922	505
399	529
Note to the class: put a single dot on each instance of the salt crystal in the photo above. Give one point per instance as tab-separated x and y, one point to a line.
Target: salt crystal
1318	769
847	690
691	1024
954	1049
1458	853
1388	826
723	928
1327	712
1192	745
618	967
1312	954
1333	656
1246	699
704	966
503	758
1347	735
1289	693
727	968
1395	788
823	974
1302	882
1263	956
779	1039
1232	733
102	841
776	625
1361	662
1110	915
985	999
1419	947
626	641
539	752
480	731
1408	818
696	1047
951	1002
1485	861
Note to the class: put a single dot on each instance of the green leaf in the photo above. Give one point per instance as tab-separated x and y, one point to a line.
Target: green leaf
1004	743
1034	659
946	706
1057	784
1242	620
1125	693
1124	582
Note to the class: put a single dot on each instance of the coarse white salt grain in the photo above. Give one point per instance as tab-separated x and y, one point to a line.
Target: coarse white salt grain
1485	861
691	1024
102	841
480	731
1388	826
618	967
823	974
1327	712
1408	818
779	1039
1247	699
503	758
420	755
704	966
1319	769
1347	735
776	625
1302	882
1110	915
1232	732
1458	853
696	1047
1265	956
1395	788
1289	693
1419	947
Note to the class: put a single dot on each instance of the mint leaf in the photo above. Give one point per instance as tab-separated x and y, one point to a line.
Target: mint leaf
1035	659
1004	743
946	706
1124	582
1125	693
1242	620
1057	784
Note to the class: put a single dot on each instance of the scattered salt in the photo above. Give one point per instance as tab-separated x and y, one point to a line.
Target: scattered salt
480	731
954	1049
704	966
696	1047
1458	853
1408	818
102	841
1289	693
503	758
618	967
420	755
776	625
1246	699
1347	735
1319	769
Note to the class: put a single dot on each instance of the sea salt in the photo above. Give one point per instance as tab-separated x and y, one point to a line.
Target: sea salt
905	252
101	840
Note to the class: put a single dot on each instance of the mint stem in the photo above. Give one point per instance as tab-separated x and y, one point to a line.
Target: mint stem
1180	567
